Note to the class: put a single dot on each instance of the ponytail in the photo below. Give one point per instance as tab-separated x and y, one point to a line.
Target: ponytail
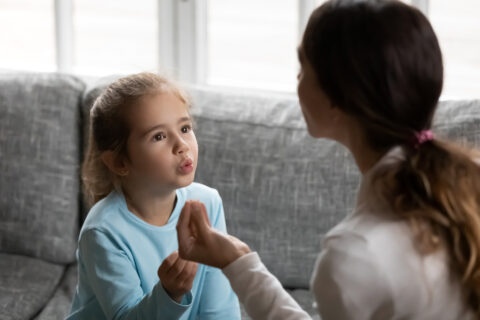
437	189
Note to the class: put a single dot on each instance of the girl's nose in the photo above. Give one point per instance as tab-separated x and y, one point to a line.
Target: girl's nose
180	146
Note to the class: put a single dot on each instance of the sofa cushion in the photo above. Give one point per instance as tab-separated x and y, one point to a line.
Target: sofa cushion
282	189
459	121
26	284
58	307
39	152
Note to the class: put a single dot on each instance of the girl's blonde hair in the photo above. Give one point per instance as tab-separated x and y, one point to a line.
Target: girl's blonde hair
109	129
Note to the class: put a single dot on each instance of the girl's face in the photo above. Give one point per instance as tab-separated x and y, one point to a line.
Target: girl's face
162	148
321	116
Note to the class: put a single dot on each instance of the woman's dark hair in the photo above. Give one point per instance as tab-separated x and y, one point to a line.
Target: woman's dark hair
380	62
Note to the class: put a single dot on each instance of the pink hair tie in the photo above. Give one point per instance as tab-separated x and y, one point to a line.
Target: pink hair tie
422	137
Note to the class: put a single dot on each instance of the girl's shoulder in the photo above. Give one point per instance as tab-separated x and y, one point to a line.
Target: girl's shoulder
103	212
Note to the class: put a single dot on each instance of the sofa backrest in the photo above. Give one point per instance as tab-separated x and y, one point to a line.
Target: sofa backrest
282	190
39	162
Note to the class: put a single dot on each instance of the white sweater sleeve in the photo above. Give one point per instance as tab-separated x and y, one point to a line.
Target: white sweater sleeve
260	292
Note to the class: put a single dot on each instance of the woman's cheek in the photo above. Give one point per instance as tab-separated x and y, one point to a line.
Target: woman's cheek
301	92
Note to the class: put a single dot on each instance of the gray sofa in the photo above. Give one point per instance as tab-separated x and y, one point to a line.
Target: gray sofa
282	190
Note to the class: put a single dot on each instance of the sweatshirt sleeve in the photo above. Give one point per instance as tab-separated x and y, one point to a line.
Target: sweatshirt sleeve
349	283
113	278
218	301
260	292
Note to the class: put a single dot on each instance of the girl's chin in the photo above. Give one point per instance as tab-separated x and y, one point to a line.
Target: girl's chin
186	180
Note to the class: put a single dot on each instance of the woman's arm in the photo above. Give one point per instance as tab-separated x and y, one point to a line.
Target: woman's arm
260	292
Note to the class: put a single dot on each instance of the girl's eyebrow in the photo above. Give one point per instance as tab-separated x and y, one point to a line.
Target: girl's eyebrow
160	126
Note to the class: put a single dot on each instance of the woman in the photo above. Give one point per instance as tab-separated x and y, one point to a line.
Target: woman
371	76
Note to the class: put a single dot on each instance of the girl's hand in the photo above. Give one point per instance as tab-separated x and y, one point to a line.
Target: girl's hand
176	276
198	241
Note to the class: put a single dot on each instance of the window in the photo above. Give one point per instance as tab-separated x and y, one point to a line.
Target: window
252	43
457	25
235	43
27	38
115	36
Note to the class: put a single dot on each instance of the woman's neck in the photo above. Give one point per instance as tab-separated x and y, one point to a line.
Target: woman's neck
365	158
354	140
153	208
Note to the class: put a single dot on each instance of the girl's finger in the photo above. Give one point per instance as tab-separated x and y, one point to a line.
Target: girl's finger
188	273
168	263
177	268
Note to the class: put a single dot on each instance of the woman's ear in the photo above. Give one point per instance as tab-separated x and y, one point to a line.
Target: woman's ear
112	161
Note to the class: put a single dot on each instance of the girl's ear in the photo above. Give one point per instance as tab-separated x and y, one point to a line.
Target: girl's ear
114	164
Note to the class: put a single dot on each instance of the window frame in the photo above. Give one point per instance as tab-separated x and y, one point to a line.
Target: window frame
182	36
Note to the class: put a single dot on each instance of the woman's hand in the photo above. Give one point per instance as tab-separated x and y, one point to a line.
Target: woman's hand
176	276
198	241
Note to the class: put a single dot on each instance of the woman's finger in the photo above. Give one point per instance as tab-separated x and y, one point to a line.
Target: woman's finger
199	218
205	214
184	218
183	223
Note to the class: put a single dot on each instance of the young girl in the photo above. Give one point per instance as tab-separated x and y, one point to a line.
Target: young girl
139	169
371	76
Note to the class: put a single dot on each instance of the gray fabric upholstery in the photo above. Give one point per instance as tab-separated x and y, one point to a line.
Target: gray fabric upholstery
59	305
39	151
26	285
282	190
459	121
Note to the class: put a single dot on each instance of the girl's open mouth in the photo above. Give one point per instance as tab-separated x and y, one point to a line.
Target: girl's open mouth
186	166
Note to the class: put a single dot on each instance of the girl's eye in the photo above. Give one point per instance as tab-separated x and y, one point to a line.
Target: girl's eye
186	129
159	137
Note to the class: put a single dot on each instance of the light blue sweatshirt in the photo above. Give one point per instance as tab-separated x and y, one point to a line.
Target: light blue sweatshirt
118	257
